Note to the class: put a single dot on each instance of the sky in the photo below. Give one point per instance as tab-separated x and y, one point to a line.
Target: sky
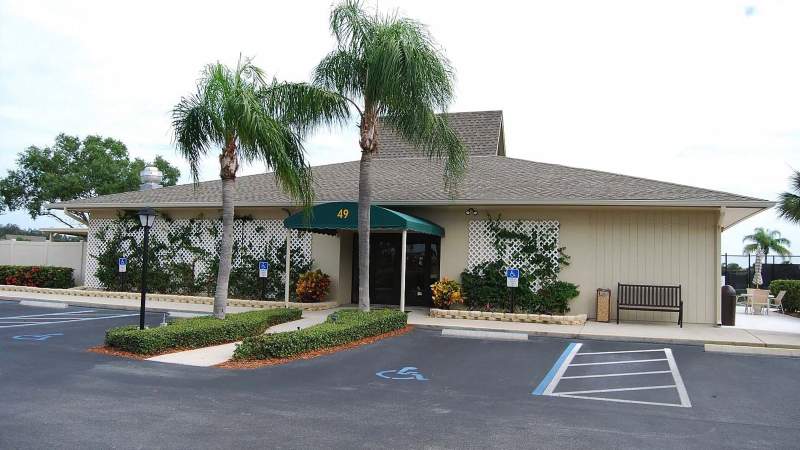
703	93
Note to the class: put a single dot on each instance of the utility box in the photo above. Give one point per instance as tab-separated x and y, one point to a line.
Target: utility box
728	307
603	305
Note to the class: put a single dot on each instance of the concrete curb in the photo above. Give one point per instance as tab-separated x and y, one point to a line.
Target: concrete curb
605	337
749	350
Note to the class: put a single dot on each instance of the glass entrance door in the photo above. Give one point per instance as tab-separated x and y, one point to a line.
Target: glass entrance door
422	268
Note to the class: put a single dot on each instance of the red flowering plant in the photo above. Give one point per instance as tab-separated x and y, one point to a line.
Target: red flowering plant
313	286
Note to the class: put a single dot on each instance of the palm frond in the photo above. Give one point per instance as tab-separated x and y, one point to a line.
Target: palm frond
193	130
304	107
789	202
351	25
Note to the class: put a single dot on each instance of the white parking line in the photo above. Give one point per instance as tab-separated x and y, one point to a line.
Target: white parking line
624	374
638	388
549	385
622	351
54	318
619	362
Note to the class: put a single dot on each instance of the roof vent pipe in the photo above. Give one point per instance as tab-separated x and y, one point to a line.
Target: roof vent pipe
150	178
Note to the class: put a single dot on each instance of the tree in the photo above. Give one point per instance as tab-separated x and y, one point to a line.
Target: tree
766	240
74	169
251	120
392	72
789	202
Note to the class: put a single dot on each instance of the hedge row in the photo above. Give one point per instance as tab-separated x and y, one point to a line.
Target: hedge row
340	328
37	276
791	301
198	331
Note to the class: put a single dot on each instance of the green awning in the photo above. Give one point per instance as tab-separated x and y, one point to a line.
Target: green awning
327	218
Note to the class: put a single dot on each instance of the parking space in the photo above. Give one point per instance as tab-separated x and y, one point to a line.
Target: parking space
421	387
644	376
26	331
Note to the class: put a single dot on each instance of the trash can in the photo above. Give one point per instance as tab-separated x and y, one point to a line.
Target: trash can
603	305
728	305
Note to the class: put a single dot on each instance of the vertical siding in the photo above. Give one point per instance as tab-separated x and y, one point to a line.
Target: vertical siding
644	247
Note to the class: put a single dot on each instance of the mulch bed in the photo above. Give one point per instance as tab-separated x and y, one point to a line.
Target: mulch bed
255	363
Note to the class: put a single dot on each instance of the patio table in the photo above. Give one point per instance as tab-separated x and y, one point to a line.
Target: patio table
747	297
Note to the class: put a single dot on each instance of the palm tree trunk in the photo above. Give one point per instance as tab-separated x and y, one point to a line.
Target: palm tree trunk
229	163
364	204
226	249
369	145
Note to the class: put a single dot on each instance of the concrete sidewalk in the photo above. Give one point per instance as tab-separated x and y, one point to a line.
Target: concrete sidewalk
692	334
210	356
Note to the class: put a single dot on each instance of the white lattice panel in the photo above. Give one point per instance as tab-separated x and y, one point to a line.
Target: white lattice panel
481	240
252	236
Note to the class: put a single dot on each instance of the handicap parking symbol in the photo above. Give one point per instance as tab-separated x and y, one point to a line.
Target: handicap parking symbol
406	373
36	337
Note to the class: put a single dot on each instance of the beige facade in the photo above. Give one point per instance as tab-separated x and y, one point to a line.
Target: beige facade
613	245
607	245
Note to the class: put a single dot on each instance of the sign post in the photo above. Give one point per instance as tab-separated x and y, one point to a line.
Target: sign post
122	268
512	281
263	270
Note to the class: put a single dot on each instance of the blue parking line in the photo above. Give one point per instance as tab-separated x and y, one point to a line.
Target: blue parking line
553	370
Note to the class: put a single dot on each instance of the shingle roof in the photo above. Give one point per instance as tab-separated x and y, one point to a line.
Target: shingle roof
479	131
418	181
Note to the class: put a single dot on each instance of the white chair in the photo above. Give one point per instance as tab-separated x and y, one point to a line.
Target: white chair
778	301
759	301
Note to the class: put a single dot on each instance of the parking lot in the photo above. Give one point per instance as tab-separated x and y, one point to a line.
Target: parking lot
419	390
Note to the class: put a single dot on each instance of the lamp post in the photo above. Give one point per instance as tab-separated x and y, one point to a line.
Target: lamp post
146	217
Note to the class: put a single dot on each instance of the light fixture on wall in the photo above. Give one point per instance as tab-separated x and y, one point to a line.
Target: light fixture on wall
471	212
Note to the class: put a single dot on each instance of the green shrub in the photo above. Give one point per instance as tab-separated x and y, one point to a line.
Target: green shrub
554	298
340	328
37	276
198	331
791	301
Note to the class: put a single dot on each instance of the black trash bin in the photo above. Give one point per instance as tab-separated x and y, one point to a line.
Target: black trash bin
728	305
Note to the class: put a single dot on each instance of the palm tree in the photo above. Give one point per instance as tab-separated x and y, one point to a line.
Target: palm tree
766	240
789	202
251	120
392	72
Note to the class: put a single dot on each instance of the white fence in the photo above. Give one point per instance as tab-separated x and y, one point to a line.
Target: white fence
47	253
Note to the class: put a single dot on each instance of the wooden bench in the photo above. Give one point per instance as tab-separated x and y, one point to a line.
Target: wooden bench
643	297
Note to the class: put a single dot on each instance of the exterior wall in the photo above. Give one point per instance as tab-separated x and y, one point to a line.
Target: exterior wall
606	245
612	245
45	253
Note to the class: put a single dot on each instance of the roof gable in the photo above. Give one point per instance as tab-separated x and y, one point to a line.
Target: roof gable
481	132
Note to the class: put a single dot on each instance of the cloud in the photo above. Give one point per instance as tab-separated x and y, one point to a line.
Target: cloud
708	98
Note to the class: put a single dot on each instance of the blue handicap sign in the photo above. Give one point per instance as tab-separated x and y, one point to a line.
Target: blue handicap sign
123	264
406	373
512	272
263	268
36	337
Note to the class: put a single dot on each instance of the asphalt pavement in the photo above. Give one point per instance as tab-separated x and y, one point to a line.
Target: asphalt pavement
419	390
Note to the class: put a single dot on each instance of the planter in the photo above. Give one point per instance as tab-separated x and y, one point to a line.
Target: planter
169	298
578	319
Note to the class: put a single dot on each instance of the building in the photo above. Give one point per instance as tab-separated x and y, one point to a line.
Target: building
615	228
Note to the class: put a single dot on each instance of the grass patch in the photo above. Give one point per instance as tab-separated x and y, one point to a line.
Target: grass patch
197	332
340	328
